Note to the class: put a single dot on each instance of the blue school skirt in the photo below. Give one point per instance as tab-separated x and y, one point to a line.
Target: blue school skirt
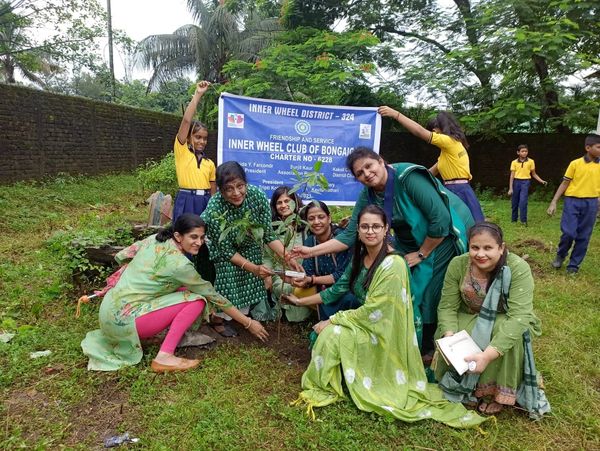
190	201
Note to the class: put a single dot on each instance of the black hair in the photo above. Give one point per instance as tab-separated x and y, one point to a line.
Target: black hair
357	154
496	232
275	197
228	171
448	125
360	249
194	127
314	204
592	139
522	146
184	224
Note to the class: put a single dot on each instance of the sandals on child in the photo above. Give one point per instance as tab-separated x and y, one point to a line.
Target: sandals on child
223	329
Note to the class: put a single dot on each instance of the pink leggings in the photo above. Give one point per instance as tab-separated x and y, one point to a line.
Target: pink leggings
178	318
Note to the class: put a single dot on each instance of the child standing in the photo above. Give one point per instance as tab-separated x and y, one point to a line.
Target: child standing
521	171
196	174
581	186
453	163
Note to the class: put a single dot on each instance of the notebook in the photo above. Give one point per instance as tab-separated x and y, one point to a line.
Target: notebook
455	348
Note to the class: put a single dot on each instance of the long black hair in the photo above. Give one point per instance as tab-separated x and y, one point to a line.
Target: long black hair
448	125
357	154
275	197
184	224
495	232
360	249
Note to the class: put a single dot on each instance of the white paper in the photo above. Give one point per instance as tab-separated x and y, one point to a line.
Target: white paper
456	347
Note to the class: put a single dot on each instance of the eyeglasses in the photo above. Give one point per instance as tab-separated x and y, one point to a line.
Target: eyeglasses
231	189
376	228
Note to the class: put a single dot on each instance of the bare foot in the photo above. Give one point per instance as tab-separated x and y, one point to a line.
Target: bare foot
490	408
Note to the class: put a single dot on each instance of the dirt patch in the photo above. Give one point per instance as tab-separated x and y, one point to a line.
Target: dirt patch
522	245
288	340
88	423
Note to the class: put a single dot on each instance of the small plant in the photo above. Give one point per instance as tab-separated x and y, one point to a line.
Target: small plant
71	245
159	175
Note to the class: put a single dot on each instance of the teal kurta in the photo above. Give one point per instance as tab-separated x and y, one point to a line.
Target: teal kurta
502	376
241	287
422	207
149	283
377	349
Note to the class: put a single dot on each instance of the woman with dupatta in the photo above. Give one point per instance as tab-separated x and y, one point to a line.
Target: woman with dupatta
376	345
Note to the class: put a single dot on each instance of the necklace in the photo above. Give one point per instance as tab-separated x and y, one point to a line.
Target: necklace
479	290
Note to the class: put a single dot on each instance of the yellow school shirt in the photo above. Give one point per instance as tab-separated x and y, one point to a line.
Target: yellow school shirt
584	177
523	168
453	162
189	175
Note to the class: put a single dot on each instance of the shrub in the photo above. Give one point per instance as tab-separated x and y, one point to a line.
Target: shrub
159	175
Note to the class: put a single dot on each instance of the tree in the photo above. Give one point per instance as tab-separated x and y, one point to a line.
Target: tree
308	65
204	49
70	29
507	64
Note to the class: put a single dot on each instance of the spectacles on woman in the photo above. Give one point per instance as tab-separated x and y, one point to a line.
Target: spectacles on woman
231	189
376	228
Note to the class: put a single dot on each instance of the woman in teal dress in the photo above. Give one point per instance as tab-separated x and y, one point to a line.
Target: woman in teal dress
506	329
375	345
158	289
429	227
324	270
238	256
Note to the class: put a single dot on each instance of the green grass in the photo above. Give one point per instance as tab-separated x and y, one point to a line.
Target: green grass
240	397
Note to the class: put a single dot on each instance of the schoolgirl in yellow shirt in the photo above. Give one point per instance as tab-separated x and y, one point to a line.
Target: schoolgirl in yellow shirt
196	174
445	133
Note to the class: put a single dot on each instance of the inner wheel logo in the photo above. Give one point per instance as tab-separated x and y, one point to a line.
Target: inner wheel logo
302	127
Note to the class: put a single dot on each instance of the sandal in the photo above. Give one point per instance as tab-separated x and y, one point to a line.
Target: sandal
223	329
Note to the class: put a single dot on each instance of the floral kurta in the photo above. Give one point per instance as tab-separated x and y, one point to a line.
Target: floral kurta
376	348
241	287
150	282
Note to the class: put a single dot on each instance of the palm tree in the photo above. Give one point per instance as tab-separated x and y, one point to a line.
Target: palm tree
17	52
203	48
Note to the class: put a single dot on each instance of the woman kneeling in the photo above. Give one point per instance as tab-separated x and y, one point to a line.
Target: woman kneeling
376	344
159	289
489	293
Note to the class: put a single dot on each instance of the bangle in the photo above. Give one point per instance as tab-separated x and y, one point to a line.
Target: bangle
244	264
397	116
312	280
249	324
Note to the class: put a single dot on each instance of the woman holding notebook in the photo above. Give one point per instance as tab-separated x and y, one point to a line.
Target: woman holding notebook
489	293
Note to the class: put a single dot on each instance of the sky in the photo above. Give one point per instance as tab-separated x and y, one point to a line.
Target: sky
141	18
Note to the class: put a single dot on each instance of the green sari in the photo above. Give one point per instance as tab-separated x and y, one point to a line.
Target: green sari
376	348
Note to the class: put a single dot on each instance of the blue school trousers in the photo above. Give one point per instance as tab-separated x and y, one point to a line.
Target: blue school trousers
576	224
519	199
190	201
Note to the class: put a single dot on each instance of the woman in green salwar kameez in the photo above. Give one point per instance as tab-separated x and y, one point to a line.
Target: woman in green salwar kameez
429	225
375	346
501	365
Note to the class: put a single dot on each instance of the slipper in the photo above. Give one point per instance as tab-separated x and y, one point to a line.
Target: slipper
227	331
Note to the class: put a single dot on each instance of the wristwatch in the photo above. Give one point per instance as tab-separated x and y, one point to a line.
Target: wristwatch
421	256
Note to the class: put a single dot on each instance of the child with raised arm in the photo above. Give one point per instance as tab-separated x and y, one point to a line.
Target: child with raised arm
195	172
521	171
453	163
581	187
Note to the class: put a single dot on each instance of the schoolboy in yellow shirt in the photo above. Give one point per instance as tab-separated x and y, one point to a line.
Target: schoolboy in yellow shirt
521	171
581	187
196	174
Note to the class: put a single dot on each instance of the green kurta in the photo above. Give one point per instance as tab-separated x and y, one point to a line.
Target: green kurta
422	208
148	283
342	286
239	286
503	375
376	347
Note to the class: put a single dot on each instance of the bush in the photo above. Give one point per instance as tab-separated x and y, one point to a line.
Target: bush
159	175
